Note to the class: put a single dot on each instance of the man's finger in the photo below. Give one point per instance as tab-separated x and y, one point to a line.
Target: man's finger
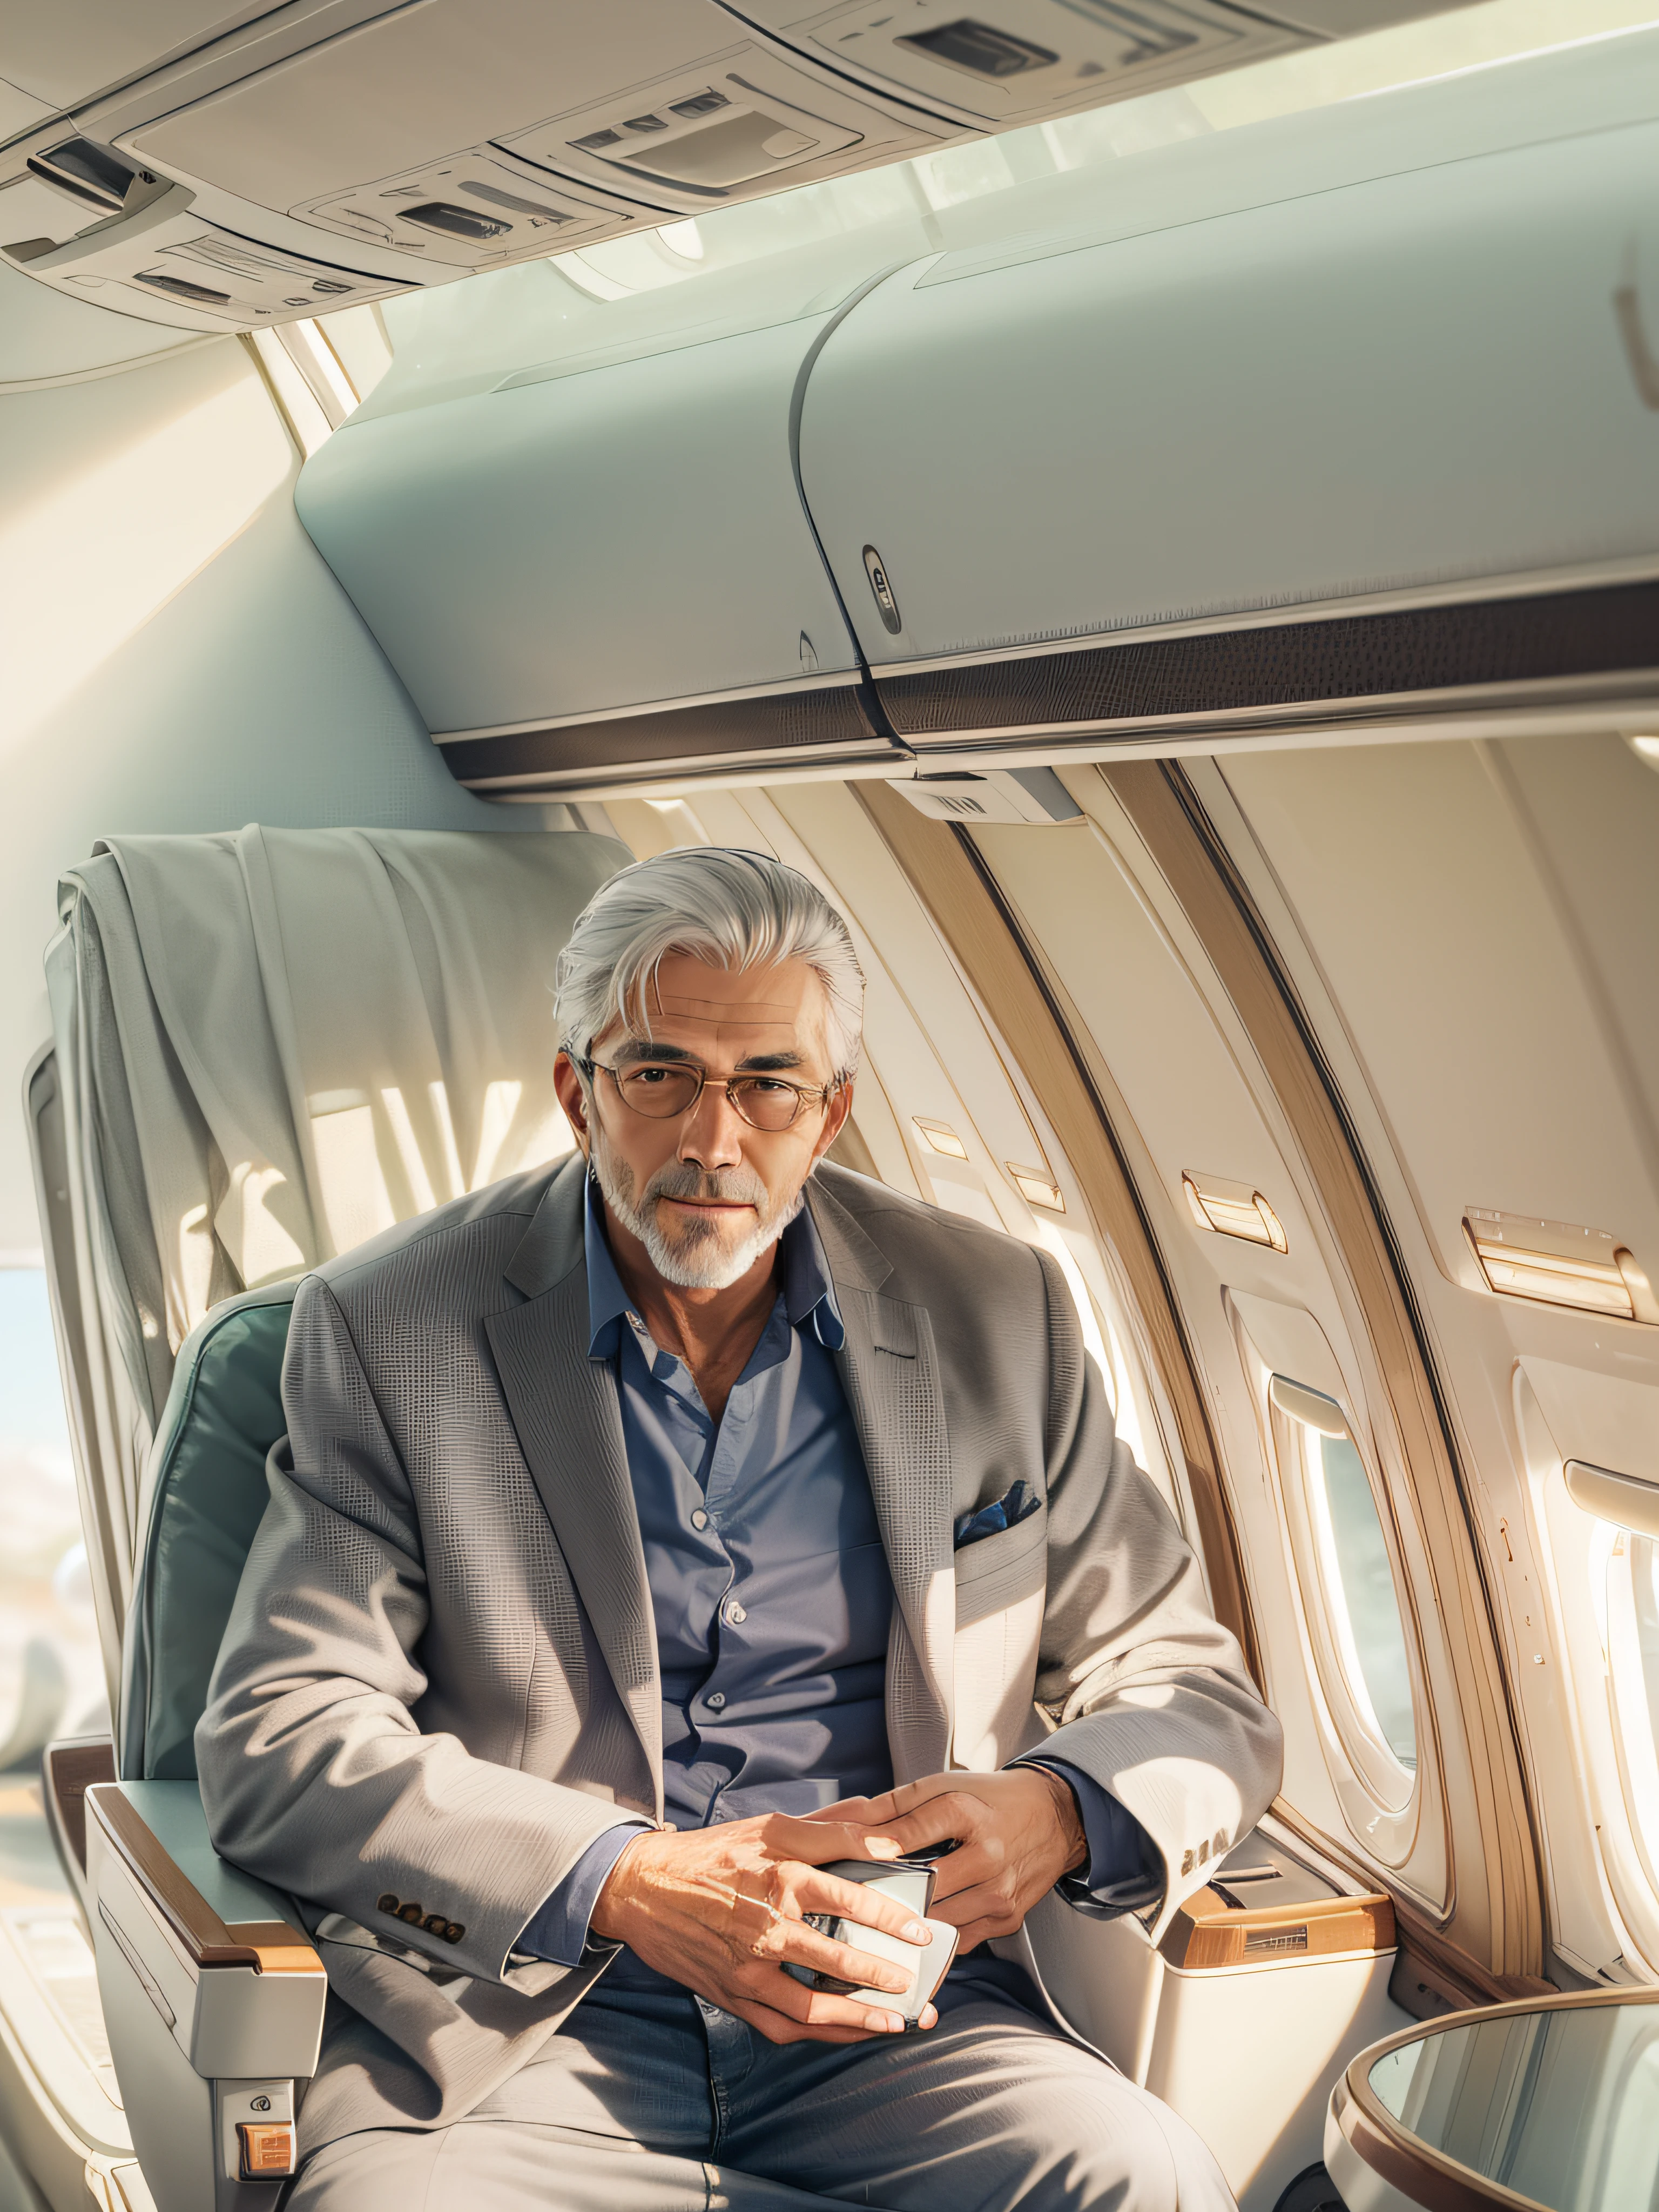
814	1890
783	1993
956	1818
795	1942
815	1840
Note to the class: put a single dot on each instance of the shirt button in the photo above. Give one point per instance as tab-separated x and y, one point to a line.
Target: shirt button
699	1518
716	1699
735	1615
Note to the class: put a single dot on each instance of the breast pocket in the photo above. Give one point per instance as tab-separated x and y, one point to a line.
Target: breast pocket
1000	1571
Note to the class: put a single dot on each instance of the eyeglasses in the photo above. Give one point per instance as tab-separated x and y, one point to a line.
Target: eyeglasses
663	1090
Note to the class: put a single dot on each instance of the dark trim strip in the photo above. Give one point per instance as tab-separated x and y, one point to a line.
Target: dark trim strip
835	715
68	1770
1428	650
267	1945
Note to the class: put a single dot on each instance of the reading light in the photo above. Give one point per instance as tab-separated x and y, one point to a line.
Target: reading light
1233	1209
1037	1187
1558	1264
940	1137
1645	748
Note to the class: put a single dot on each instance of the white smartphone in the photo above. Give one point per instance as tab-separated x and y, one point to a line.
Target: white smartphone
927	1964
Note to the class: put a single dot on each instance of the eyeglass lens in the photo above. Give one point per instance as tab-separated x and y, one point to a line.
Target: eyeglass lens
663	1093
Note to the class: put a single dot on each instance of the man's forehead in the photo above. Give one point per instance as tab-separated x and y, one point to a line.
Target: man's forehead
776	996
773	1007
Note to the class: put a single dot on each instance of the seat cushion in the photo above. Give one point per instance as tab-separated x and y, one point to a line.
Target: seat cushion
206	1484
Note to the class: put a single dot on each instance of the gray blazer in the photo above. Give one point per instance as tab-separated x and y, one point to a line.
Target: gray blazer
440	1678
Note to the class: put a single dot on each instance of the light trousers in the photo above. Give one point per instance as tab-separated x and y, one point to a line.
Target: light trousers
653	2101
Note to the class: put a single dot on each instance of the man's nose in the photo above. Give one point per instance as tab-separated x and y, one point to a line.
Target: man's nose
712	1134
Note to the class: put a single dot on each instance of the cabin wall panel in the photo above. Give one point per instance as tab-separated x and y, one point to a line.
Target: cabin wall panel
177	657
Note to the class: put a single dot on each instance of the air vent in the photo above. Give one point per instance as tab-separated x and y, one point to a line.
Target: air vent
970	46
247	285
1557	1264
1034	796
182	288
1233	1209
91	171
457	223
1041	57
472	210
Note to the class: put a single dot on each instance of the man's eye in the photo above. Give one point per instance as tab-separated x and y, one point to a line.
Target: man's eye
768	1086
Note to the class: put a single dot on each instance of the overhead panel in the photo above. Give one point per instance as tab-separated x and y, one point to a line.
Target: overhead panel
1358	450
163	261
601	578
999	63
745	120
473	210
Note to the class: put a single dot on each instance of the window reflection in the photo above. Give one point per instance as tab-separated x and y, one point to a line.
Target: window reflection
1360	1591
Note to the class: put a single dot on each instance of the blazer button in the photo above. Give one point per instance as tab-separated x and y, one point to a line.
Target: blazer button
453	1932
414	1914
735	1614
388	1904
435	1924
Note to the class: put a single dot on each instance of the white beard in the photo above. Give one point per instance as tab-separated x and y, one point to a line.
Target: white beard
699	1261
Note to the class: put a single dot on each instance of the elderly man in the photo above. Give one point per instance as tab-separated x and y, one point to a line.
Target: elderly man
653	1534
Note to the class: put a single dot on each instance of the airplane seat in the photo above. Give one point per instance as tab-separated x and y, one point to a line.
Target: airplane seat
267	1046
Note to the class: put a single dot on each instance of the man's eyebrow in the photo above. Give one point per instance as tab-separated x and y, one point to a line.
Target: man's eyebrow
633	1049
767	1063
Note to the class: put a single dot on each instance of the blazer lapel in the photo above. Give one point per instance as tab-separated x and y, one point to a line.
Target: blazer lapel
890	1371
564	1409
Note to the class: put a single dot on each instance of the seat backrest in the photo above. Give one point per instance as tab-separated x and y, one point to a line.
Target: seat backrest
269	1045
206	1490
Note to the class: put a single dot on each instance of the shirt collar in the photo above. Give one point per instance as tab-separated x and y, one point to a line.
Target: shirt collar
808	1292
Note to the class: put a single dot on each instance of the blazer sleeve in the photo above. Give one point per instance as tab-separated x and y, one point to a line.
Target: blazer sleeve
1147	1692
315	1774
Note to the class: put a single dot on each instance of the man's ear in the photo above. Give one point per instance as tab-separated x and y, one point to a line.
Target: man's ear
572	1096
835	1120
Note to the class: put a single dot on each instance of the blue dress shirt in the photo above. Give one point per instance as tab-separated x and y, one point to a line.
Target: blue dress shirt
769	1585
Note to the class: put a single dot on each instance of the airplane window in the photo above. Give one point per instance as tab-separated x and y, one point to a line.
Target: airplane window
1360	1589
51	1672
1354	1621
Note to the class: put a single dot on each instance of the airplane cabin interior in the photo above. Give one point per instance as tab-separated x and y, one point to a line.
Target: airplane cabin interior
1152	506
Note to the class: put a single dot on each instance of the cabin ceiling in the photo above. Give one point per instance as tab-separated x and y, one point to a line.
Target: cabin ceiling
213	169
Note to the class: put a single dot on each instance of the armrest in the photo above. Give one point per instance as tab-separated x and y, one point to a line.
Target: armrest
216	1953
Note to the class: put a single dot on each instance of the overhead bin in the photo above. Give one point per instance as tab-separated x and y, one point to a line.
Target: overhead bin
603	575
1350	451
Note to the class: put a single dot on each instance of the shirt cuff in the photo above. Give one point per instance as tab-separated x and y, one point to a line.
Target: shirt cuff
1120	1850
557	1929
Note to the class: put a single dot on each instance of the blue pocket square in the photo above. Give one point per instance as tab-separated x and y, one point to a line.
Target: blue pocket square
1021	1502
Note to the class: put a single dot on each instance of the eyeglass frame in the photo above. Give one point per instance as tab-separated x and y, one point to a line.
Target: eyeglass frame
815	1093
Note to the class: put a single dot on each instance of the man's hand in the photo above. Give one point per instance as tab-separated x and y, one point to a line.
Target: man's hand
1016	1833
720	1910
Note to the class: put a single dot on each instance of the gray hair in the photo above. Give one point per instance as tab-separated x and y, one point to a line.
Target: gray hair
733	909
